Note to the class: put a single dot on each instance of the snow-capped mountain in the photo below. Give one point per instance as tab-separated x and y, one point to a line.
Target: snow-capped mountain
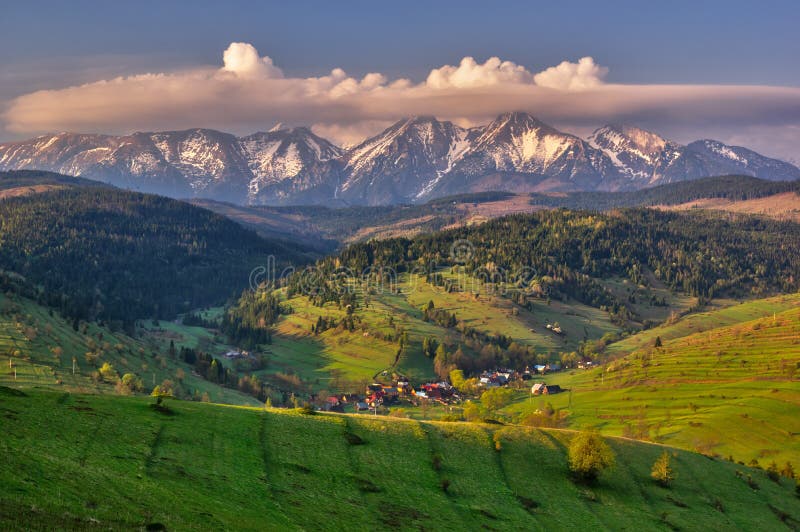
648	159
289	164
638	154
414	160
404	161
743	161
260	168
519	150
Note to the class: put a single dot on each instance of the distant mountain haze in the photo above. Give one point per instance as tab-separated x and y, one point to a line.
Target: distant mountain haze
414	160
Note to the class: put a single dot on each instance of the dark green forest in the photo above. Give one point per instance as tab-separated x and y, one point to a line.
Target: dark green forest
102	253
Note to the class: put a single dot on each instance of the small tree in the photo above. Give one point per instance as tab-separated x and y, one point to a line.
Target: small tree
589	456
132	382
457	379
494	399
662	473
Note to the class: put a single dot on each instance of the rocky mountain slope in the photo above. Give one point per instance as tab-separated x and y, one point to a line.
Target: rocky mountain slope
414	160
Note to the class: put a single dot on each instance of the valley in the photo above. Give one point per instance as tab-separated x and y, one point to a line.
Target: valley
671	348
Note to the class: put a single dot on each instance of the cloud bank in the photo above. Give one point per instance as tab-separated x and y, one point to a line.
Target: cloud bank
249	92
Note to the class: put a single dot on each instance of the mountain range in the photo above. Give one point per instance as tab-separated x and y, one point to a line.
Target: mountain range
414	160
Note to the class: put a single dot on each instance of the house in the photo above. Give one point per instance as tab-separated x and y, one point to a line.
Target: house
374	387
333	404
361	406
438	391
541	388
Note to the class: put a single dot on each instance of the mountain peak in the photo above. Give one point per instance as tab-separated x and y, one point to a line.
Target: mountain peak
618	134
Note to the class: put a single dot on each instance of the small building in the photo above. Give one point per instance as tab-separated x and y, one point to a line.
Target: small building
541	388
333	404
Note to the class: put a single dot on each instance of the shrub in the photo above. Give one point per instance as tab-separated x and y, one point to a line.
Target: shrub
108	373
589	456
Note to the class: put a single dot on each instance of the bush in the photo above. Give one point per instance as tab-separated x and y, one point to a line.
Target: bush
108	373
662	473
589	456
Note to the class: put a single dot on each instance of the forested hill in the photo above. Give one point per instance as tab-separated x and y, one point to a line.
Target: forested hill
96	252
35	178
564	253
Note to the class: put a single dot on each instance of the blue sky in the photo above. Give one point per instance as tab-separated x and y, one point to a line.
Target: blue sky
53	45
644	42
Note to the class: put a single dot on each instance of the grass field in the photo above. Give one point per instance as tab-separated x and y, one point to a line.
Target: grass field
729	390
118	463
722	313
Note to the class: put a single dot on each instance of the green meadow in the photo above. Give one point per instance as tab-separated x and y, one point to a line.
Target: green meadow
119	463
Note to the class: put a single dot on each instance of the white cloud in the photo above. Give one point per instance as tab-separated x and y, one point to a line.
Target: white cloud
469	74
249	92
241	59
584	74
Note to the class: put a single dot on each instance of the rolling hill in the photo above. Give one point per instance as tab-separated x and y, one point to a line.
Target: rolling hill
99	252
119	463
723	383
40	349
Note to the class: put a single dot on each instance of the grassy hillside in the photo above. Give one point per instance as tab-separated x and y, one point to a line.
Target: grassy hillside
729	313
38	347
119	463
339	359
722	383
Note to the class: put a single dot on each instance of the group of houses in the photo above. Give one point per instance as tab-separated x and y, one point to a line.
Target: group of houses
503	377
380	394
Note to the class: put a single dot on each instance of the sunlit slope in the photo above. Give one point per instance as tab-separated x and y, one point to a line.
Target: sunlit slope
119	463
730	390
38	347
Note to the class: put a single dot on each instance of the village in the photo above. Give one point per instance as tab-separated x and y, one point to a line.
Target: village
378	397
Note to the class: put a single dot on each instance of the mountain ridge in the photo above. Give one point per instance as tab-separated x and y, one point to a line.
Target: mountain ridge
414	160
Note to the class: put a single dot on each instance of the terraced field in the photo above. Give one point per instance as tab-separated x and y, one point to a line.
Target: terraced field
729	390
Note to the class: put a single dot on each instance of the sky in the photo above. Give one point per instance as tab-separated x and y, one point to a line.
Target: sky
687	70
